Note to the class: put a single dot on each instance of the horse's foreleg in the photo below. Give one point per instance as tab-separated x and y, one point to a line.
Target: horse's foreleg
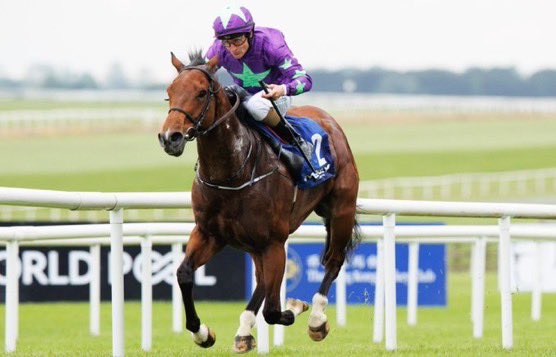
274	262
199	251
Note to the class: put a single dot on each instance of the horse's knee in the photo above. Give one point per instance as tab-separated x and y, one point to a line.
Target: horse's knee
184	274
272	316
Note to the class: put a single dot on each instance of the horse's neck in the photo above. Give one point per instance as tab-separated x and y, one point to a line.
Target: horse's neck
223	150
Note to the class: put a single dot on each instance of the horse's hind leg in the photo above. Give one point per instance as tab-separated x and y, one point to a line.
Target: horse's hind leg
199	251
274	262
244	341
338	238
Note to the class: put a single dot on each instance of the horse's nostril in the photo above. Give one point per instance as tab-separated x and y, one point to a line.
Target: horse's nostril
176	137
161	140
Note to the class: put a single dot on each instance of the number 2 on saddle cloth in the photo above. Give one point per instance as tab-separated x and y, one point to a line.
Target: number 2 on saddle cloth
321	159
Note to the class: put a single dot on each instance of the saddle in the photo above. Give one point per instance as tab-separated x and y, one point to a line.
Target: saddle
293	162
304	175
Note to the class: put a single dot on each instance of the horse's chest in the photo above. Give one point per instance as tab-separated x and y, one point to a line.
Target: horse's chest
232	222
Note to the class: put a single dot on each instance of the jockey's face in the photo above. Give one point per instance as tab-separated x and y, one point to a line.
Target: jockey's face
237	45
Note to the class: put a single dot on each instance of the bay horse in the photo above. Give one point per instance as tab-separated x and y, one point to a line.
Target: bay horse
244	196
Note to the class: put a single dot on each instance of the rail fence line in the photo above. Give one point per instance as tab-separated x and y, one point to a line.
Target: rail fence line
385	309
447	187
463	186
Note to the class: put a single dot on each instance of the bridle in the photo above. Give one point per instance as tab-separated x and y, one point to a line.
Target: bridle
196	130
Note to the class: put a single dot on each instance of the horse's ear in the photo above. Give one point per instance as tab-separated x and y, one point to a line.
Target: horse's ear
212	64
177	63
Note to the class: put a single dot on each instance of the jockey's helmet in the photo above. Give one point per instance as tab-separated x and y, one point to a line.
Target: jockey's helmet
233	20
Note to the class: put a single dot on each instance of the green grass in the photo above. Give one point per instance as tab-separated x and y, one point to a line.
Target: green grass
62	329
134	161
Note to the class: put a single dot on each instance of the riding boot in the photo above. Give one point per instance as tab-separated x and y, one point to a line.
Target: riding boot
291	136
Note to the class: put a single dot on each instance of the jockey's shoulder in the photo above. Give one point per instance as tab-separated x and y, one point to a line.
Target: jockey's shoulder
269	37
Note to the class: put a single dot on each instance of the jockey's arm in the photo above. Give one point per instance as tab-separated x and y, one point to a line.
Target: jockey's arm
295	79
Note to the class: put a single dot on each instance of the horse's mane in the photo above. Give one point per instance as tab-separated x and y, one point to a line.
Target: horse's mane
196	58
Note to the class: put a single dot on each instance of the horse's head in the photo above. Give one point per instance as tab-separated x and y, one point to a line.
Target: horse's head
192	103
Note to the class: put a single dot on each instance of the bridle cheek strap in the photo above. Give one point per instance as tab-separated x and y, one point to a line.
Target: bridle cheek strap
197	130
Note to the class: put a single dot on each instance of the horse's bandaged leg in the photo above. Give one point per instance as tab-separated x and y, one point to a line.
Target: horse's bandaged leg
296	306
201	335
247	321
317	317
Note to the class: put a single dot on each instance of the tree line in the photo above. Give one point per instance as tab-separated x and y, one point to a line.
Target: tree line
473	81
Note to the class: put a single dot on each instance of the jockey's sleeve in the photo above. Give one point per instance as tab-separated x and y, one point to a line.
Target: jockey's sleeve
279	55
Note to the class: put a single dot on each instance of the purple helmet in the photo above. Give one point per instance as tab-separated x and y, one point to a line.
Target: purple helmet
232	20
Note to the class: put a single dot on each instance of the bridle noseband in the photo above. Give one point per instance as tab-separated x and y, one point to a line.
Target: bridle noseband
196	129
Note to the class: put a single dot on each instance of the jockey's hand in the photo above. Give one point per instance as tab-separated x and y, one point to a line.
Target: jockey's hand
275	91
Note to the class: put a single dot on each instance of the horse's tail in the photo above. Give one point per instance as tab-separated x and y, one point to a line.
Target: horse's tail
356	237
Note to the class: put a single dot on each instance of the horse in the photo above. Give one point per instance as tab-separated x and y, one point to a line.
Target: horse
244	196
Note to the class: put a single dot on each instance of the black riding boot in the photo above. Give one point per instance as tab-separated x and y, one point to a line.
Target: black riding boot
292	137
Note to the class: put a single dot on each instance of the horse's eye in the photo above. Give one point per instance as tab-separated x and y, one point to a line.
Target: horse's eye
202	94
167	99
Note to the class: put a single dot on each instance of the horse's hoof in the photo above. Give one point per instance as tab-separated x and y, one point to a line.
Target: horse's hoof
243	344
211	339
319	333
297	305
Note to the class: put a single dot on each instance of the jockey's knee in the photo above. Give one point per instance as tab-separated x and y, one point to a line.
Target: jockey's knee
260	108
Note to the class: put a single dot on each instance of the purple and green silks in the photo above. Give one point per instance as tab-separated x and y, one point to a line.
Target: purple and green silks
268	58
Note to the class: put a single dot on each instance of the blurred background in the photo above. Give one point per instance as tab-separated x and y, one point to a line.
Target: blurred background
441	100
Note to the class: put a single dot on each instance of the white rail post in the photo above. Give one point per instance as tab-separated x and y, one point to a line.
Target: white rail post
378	326
536	295
11	297
389	222
263	344
17	274
177	312
478	286
146	294
279	329
412	283
341	296
94	290
505	282
117	279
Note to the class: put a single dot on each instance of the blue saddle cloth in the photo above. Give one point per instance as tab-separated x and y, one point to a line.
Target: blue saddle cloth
321	159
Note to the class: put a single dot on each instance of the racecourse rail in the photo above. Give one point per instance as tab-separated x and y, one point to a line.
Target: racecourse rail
385	298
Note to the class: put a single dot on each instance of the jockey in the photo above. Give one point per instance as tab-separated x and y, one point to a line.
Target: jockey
250	54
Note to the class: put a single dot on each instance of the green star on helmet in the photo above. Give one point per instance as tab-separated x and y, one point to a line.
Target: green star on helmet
298	74
299	87
250	78
287	63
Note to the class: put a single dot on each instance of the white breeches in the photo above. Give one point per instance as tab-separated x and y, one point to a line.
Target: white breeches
259	107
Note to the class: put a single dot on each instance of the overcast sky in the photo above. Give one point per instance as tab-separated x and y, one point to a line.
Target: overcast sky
89	35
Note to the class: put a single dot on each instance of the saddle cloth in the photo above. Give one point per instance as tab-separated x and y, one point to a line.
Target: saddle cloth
321	159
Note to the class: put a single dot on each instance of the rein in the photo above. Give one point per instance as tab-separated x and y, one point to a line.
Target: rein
196	129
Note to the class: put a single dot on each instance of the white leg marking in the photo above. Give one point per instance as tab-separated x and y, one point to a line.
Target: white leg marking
295	306
201	335
317	317
247	321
